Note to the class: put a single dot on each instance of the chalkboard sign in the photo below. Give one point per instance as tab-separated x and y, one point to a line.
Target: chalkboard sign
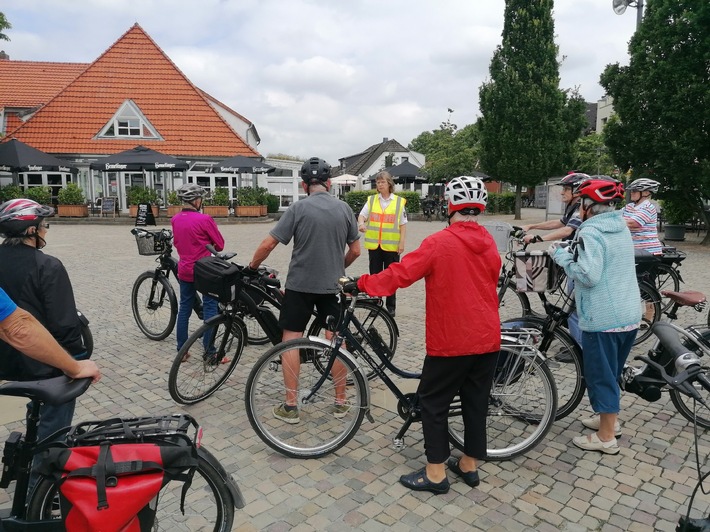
144	215
108	205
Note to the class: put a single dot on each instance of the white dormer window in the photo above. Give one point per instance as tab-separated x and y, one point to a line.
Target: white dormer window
129	122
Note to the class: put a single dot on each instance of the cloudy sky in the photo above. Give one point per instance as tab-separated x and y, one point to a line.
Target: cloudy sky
324	78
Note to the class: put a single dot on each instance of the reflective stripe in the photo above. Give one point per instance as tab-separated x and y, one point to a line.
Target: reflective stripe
383	225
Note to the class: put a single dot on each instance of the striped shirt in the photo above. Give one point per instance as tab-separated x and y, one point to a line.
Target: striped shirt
646	236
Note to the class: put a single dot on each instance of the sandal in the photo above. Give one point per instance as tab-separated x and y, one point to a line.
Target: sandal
469	477
418	481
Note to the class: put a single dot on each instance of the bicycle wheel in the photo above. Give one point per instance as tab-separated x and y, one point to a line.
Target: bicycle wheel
154	305
650	311
198	372
318	431
521	407
374	318
666	280
87	339
511	303
255	334
208	503
687	406
564	359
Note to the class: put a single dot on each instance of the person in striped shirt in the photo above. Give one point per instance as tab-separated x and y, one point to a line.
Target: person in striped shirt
641	216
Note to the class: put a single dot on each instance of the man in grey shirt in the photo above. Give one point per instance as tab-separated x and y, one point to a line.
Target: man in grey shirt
321	227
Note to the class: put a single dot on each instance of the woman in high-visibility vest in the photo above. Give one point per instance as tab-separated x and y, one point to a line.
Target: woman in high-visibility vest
383	219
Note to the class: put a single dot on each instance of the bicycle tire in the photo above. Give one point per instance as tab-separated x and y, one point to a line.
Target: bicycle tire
154	318
207	482
371	316
521	410
666	279
255	334
194	378
683	403
650	311
318	432
87	339
564	359
511	303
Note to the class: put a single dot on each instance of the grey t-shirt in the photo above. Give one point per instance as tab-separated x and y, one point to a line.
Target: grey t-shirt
321	227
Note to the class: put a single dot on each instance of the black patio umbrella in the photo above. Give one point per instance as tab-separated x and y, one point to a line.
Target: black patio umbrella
406	172
16	156
139	158
239	164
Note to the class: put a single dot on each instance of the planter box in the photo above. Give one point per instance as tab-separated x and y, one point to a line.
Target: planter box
73	211
263	210
173	210
674	232
248	210
133	210
216	211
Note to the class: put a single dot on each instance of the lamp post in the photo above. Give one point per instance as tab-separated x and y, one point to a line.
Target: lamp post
620	6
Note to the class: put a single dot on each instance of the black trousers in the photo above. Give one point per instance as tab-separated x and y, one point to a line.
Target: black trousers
470	377
379	260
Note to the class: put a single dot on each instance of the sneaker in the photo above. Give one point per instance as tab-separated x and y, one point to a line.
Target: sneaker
593	423
593	443
340	411
286	413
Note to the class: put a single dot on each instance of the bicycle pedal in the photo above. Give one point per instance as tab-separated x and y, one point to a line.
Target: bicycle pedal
398	444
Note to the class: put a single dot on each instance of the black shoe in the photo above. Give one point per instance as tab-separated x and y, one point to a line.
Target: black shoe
391	312
471	478
418	481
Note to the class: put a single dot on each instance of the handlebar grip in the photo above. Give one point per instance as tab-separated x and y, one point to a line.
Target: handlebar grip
211	249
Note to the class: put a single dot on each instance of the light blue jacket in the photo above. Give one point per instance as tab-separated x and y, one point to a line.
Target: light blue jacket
602	266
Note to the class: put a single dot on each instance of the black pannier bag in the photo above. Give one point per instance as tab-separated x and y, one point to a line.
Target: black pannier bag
217	278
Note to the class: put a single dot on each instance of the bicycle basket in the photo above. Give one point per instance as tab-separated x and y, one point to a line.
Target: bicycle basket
148	245
535	271
500	231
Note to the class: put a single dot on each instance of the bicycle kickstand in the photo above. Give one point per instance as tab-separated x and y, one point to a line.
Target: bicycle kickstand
398	441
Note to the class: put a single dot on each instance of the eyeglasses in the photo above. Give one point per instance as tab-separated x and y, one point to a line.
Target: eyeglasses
45	225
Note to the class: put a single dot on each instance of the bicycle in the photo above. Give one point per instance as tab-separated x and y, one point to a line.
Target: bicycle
197	371
153	299
428	207
200	495
521	406
661	271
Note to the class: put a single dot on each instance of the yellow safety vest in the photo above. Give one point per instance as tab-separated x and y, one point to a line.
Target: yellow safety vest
383	225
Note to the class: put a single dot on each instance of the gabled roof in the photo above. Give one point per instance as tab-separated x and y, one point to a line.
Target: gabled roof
47	79
135	68
356	164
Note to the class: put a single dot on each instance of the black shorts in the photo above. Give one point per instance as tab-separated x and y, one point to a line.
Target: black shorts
297	309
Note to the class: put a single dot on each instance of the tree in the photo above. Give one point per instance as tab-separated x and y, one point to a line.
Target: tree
528	125
592	157
4	25
661	129
449	151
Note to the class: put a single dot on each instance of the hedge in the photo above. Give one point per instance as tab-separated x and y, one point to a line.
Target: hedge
503	203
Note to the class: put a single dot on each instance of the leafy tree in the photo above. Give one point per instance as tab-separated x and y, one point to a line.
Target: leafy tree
4	25
592	156
528	125
449	151
662	101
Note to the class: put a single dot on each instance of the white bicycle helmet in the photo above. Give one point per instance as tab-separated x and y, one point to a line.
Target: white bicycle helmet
643	184
466	192
190	192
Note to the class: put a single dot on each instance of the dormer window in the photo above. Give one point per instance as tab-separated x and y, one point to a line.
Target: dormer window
129	122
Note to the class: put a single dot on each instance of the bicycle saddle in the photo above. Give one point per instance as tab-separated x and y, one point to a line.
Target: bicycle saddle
688	298
55	391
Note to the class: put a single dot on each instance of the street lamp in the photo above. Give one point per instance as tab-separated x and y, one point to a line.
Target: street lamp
620	6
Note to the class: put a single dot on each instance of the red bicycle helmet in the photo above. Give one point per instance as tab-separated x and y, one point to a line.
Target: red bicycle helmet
16	215
601	191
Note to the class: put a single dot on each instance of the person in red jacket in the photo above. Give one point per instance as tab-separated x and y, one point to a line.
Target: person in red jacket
460	266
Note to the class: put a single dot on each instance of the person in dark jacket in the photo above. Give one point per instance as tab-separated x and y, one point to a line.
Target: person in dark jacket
460	266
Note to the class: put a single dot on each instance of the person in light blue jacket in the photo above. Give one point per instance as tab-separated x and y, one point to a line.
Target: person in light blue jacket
601	264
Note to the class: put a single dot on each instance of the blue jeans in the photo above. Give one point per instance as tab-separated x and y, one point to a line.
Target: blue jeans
187	301
52	418
604	357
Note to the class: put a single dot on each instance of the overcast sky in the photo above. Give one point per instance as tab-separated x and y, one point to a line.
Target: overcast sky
325	78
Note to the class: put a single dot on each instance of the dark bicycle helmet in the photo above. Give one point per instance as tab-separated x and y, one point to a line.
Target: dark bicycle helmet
643	184
16	215
572	179
190	192
466	192
601	191
315	171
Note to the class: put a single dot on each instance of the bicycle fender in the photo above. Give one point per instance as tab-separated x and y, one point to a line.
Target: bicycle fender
351	358
232	486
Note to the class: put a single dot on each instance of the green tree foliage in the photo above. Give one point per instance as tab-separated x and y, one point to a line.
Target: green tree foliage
662	102
592	156
449	151
4	25
528	125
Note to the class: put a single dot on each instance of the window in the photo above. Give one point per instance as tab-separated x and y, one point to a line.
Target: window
129	122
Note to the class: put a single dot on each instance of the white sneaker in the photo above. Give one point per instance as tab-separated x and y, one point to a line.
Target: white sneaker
593	423
593	443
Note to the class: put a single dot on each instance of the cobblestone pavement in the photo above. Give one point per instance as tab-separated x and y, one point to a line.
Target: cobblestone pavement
554	487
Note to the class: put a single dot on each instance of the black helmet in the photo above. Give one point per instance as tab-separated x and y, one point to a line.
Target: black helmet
315	171
16	215
190	192
572	179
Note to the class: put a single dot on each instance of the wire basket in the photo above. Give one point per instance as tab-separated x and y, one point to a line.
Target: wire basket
148	245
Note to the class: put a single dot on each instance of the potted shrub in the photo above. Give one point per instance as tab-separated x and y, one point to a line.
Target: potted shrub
250	202
174	203
675	213
217	205
138	195
9	192
42	195
72	202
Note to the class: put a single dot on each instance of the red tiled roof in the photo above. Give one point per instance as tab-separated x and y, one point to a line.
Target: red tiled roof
47	79
133	68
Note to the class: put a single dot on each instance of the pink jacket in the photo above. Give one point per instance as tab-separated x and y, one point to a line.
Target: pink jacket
192	232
